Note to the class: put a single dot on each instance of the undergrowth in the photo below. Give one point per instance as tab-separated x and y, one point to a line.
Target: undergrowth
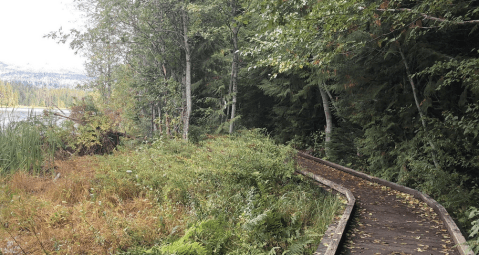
224	195
474	232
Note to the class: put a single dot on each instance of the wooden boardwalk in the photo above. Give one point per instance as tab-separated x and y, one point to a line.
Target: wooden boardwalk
386	221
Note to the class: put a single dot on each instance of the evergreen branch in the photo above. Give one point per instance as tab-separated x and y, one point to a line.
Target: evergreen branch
429	17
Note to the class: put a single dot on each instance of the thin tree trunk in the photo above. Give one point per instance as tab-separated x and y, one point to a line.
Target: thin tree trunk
153	127
233	105
108	84
108	68
329	119
331	98
228	97
234	65
234	77
162	49
228	106
167	124
228	103
186	119
159	119
418	106
225	107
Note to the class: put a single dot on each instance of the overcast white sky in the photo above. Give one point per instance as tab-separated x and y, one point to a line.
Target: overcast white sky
23	23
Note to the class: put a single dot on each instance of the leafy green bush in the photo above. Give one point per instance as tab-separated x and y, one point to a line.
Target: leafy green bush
91	130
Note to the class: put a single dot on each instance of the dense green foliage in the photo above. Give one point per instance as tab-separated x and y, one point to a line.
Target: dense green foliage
388	87
403	82
238	195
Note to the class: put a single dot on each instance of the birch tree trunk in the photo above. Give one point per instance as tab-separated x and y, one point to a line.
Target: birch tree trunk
234	77
418	106
186	119
234	65
228	99
329	119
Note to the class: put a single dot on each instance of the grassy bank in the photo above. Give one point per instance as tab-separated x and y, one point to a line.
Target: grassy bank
234	195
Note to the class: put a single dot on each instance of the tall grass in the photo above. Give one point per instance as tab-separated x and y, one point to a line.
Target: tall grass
23	144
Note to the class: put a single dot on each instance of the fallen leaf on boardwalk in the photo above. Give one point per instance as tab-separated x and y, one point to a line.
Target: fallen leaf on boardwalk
419	221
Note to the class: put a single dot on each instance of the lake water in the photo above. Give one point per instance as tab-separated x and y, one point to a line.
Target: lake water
8	115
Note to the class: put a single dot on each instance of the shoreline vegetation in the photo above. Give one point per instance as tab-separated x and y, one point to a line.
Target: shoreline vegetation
31	107
224	195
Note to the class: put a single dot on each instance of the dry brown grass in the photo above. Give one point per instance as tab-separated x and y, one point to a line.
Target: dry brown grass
65	216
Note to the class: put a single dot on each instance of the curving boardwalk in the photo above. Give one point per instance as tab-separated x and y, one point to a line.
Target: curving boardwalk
386	221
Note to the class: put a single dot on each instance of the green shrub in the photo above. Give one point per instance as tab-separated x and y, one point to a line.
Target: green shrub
91	130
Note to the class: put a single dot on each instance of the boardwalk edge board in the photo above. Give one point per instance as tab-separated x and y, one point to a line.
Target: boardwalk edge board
451	226
332	238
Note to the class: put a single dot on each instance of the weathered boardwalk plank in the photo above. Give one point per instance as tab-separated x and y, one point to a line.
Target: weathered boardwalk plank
388	221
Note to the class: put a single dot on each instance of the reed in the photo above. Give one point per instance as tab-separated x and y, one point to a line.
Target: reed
24	144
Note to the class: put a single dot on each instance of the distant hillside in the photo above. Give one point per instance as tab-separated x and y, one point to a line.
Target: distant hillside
41	77
16	93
